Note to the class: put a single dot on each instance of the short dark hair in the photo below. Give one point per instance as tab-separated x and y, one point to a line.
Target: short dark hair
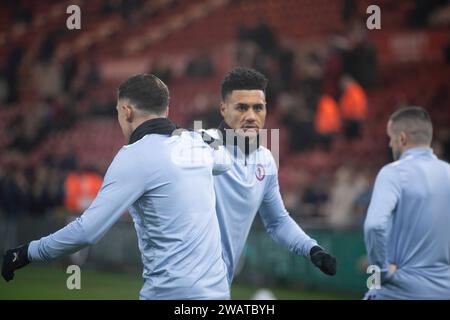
415	121
146	92
243	79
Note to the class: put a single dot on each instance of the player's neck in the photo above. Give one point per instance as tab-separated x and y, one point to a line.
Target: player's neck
141	120
415	146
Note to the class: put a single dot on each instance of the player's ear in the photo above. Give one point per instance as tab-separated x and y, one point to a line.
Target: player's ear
222	108
167	112
129	112
403	138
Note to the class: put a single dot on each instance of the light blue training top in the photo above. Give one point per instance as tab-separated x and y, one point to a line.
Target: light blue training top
408	224
166	183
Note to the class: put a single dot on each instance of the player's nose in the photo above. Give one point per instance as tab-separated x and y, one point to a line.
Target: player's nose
250	116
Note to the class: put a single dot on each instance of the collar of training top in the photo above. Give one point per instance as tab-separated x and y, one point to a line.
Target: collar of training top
155	126
417	151
248	148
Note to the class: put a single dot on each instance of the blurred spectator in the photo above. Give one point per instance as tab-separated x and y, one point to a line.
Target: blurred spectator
446	50
69	71
262	35
353	106
298	180
334	64
46	73
205	110
447	53
246	52
316	197
102	106
327	122
48	45
262	62
347	187
265	38
63	158
80	188
423	8
89	67
311	78
88	76
286	59
442	139
438	148
348	10
446	146
440	16
362	200
3	88
361	58
19	13
27	132
11	73
298	118
15	192
161	68
46	190
129	9
200	66
15	200
62	112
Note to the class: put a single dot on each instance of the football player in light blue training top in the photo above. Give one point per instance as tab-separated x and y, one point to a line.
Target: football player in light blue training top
251	185
407	228
165	180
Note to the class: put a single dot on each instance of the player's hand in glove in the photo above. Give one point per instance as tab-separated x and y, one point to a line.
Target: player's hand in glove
323	260
14	259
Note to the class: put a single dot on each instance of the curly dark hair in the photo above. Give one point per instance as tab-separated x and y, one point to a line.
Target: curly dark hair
243	79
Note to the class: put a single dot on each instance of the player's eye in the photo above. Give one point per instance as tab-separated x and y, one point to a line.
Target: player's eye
258	107
241	107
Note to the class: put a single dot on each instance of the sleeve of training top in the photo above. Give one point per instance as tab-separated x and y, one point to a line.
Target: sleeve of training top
279	224
385	196
222	160
123	184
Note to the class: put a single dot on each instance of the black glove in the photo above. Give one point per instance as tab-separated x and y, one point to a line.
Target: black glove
212	142
14	259
322	260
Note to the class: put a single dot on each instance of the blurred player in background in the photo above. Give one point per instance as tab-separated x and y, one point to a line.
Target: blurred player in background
251	185
407	229
177	227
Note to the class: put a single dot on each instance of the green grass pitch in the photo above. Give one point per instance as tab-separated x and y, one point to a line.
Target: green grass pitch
49	282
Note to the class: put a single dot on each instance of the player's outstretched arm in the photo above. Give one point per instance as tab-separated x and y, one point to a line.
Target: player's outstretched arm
289	234
123	184
285	231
